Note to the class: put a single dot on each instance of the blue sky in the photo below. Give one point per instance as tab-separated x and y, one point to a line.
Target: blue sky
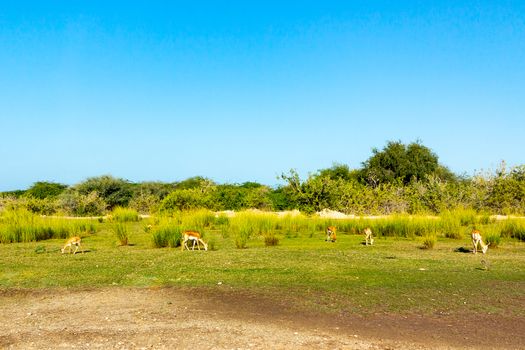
245	90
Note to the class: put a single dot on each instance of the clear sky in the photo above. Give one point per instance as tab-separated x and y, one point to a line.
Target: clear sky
245	90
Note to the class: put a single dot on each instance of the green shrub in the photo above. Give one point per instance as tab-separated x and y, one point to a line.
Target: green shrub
513	229
122	233
166	235
429	242
270	239
241	237
493	239
212	244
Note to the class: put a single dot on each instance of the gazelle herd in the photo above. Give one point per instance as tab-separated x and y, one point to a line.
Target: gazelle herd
331	236
476	238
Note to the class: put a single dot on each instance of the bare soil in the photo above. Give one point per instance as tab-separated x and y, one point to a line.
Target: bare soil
223	318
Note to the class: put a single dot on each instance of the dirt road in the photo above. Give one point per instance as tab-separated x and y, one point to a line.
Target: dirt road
171	318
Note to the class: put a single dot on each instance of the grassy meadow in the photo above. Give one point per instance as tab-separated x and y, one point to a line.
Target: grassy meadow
417	264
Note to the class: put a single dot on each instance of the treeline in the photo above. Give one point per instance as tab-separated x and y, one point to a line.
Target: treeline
397	179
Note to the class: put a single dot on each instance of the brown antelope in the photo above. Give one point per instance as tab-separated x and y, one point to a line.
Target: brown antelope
476	240
195	237
331	234
73	241
368	236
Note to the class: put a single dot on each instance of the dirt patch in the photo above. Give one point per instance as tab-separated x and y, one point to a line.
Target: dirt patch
222	318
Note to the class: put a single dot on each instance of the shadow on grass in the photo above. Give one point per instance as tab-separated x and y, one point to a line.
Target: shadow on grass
463	250
79	252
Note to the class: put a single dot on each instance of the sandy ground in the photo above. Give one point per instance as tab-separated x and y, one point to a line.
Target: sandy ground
171	318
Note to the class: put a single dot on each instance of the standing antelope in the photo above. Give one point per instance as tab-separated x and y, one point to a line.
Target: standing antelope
331	234
476	239
195	237
73	241
368	236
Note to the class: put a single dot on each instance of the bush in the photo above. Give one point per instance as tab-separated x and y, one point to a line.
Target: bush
122	233
270	239
42	190
241	237
75	203
115	192
429	242
212	244
186	199
167	235
493	239
513	229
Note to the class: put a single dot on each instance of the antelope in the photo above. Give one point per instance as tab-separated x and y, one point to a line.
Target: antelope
195	237
476	239
73	241
331	234
368	236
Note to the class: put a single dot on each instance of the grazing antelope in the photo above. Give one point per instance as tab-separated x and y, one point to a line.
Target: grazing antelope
368	236
331	234
195	237
73	241
476	239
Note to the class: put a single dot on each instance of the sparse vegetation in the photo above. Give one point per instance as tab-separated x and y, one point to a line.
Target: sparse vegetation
120	214
301	261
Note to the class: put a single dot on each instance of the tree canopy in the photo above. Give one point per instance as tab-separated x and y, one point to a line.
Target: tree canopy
404	163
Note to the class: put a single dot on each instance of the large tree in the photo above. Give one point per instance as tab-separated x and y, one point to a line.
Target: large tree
115	191
403	163
44	189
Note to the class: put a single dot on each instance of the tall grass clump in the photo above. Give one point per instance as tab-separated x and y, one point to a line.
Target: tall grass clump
270	239
450	225
401	226
512	228
166	235
120	214
429	241
466	217
196	220
242	227
122	233
493	239
20	225
291	223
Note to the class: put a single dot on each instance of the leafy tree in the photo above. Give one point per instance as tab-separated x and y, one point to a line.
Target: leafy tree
507	190
194	182
411	162
12	194
115	192
229	197
75	203
316	193
258	198
186	199
339	171
44	189
156	189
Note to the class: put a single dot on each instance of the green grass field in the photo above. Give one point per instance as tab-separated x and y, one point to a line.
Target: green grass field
394	275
